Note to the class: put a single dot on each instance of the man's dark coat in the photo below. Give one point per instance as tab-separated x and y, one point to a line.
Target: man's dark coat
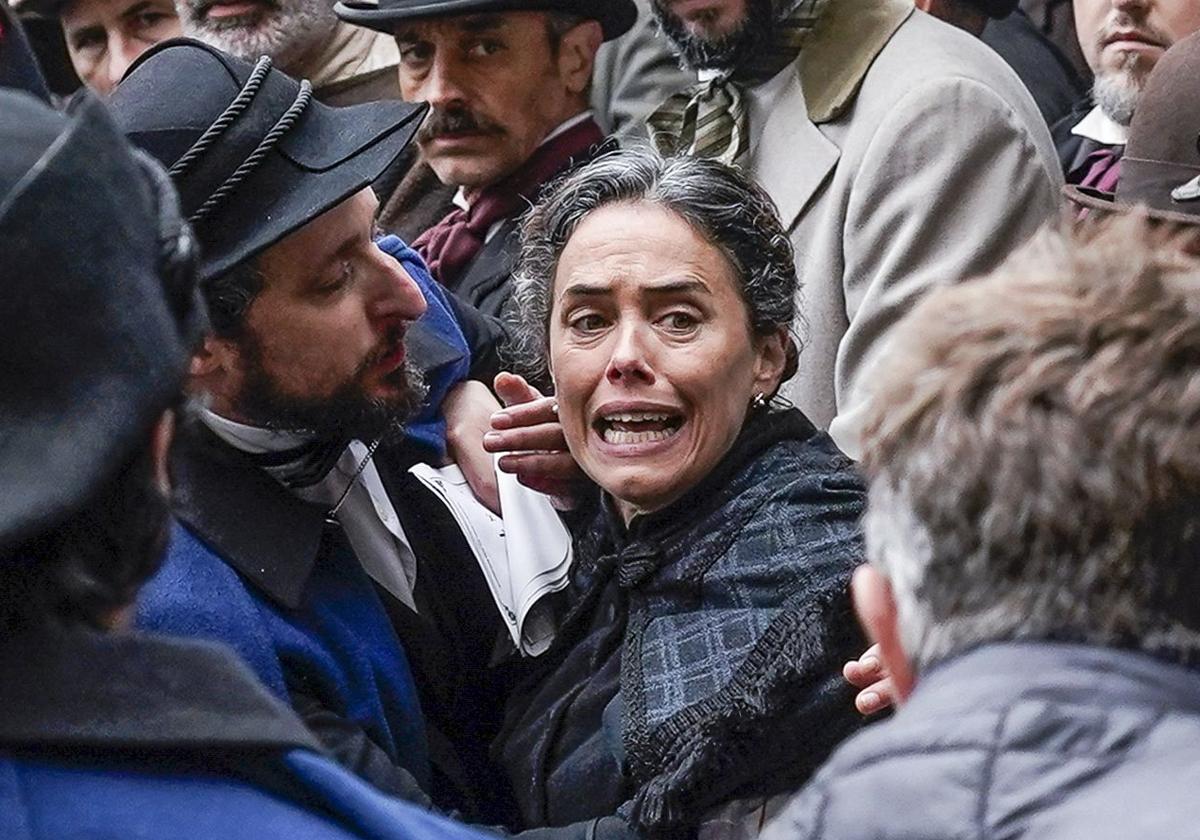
247	567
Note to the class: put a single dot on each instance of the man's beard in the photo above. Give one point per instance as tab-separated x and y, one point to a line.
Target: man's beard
1116	90
286	30
349	413
1116	94
725	52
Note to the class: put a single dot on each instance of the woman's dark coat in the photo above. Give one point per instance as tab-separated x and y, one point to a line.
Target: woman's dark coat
700	659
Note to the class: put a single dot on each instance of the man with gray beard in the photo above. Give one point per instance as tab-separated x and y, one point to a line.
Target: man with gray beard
902	153
1122	40
346	65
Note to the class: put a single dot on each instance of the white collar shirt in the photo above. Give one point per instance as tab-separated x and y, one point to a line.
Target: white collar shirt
367	514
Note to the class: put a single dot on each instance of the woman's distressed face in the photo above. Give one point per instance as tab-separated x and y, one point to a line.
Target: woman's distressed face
652	353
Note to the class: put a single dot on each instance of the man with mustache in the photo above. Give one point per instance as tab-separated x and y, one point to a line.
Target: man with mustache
1122	40
302	541
901	152
508	92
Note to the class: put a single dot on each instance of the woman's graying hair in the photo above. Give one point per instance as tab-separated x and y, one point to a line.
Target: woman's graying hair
721	204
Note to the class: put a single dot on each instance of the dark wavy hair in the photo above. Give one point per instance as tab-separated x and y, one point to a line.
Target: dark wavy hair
720	203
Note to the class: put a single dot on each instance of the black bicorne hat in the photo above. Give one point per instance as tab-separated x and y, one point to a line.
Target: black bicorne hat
99	308
253	155
614	16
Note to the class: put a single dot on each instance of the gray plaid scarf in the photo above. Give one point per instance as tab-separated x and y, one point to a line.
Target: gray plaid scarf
711	119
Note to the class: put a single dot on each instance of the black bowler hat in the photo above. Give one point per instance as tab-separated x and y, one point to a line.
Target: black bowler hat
253	155
98	311
1161	164
614	16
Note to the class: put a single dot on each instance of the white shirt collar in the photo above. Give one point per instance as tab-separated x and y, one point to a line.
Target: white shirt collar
460	195
1102	128
369	518
253	439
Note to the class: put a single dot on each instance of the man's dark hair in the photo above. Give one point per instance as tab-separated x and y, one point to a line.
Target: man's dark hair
229	295
559	24
81	571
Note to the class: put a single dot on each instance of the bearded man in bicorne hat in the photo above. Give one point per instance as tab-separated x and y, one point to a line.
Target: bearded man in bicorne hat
108	732
303	541
507	84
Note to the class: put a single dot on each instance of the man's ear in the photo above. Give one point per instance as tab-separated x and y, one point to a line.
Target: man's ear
214	356
771	361
217	371
577	55
876	608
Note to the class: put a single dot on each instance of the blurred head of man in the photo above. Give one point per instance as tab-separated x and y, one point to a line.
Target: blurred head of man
1123	39
289	31
1034	457
95	341
498	84
104	37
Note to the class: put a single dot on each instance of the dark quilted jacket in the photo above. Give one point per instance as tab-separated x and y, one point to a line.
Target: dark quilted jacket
1017	742
710	635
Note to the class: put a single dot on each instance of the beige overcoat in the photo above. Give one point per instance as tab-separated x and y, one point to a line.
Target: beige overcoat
903	154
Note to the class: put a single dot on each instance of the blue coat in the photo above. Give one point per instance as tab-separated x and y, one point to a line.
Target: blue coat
255	567
159	738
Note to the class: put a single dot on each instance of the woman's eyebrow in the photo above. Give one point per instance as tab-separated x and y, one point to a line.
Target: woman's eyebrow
586	290
678	287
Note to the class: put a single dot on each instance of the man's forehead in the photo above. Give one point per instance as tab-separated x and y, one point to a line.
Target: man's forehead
84	12
452	25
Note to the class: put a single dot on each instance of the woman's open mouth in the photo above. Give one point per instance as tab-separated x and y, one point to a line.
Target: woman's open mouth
632	427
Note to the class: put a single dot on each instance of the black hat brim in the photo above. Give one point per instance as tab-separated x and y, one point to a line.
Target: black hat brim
615	17
364	139
1106	202
326	157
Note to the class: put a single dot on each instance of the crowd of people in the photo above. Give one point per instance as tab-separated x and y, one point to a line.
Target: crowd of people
596	420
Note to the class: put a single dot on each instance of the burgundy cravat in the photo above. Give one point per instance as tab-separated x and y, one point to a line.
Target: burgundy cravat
1103	169
450	245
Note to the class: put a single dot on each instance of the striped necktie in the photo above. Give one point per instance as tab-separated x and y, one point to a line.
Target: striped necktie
711	118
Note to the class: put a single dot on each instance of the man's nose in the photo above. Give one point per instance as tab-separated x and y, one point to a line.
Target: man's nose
399	297
442	86
122	52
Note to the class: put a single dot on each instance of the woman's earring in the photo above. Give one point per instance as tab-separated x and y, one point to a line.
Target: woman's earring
759	401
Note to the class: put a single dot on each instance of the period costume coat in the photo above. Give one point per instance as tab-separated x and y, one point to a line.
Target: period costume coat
138	736
700	658
902	155
1020	740
401	697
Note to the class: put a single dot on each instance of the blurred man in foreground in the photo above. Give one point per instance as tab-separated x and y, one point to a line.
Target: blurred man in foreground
1034	466
107	732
